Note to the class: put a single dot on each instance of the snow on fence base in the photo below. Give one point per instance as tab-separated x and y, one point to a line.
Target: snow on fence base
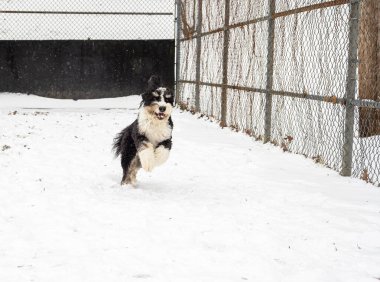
291	77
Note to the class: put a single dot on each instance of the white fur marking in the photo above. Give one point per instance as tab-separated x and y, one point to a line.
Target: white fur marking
161	155
147	158
155	130
134	182
161	103
161	89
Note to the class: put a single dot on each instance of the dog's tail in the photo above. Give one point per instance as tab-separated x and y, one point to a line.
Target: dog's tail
117	144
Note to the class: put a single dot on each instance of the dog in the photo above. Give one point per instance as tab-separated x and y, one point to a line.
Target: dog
146	143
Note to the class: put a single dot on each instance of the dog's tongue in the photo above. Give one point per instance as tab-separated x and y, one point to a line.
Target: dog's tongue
161	115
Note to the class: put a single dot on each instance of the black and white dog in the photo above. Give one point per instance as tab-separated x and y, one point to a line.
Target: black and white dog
146	143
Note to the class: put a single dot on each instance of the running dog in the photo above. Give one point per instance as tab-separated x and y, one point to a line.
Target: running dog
146	143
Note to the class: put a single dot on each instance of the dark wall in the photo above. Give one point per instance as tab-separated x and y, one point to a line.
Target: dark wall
84	69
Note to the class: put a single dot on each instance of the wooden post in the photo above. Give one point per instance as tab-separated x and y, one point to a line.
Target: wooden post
369	67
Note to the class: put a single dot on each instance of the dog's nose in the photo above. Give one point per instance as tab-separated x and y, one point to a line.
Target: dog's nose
162	109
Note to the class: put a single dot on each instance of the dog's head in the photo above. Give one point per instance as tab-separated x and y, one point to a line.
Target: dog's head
157	100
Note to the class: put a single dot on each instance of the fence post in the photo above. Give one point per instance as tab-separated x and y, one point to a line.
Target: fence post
198	59
351	82
226	41
178	50
269	86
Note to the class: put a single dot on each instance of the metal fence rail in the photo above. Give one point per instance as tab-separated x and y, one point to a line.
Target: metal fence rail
301	74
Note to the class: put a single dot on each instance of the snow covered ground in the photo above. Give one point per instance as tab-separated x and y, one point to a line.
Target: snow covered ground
224	208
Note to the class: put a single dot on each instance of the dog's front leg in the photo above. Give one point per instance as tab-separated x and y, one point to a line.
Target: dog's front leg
146	155
162	151
161	155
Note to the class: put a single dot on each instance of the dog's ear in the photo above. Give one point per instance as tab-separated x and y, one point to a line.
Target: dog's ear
153	83
145	97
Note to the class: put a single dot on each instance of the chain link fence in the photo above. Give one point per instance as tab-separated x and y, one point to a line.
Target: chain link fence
86	20
84	49
301	74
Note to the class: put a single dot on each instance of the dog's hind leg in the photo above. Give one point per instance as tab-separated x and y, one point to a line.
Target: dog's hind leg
125	165
130	165
130	176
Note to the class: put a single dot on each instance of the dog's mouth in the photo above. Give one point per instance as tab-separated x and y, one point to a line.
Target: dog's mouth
160	115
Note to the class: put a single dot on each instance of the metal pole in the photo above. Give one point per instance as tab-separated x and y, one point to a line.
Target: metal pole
226	36
269	86
198	59
351	82
178	50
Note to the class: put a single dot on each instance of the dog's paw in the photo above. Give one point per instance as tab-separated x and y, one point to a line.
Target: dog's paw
161	155
148	166
132	184
147	159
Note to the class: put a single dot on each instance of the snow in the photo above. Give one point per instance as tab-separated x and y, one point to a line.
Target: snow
223	208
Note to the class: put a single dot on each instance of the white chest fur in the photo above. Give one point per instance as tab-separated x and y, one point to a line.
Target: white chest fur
155	130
